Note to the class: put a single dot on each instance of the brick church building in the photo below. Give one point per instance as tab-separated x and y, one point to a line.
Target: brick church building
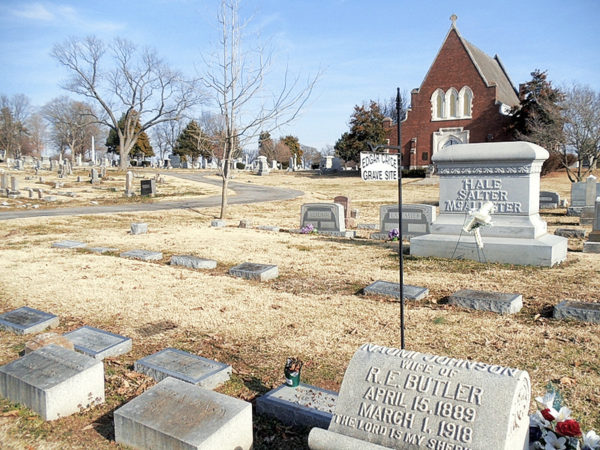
465	98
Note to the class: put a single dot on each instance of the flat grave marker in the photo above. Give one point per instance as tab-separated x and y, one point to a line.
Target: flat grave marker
26	320
184	366
487	301
53	381
252	271
97	343
193	262
69	244
218	223
175	414
583	311
404	399
144	255
304	405
390	289
103	249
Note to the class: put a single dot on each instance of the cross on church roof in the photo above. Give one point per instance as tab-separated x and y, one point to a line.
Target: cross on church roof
453	18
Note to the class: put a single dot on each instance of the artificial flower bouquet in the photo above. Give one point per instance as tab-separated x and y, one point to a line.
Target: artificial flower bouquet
553	428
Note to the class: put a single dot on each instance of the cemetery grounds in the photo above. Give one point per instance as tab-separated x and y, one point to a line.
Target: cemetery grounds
314	310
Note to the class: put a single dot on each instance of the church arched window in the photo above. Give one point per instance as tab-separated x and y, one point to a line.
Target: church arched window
437	104
452	102
466	101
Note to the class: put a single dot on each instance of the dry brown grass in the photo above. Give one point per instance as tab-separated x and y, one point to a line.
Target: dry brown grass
311	311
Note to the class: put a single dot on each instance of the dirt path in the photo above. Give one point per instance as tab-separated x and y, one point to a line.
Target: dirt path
245	193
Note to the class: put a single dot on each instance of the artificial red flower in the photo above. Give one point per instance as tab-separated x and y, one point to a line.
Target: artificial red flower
569	428
547	415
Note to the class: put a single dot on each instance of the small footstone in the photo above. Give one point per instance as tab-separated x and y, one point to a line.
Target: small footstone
367	226
487	301
97	343
53	381
245	224
591	247
69	244
103	249
217	223
304	405
252	271
193	262
184	366
139	228
584	311
26	320
41	340
144	255
269	228
175	414
393	290
570	232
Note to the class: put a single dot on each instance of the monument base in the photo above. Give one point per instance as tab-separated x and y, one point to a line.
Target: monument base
591	247
547	250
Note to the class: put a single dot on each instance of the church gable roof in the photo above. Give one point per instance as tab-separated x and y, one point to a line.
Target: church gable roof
491	70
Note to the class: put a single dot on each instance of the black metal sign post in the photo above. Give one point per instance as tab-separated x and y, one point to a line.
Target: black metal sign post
400	237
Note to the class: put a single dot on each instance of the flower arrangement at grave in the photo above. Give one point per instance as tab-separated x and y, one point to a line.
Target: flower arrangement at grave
394	234
553	428
308	229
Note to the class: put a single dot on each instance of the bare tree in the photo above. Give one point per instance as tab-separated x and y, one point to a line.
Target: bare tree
236	78
14	112
37	134
138	86
388	107
581	115
72	125
164	136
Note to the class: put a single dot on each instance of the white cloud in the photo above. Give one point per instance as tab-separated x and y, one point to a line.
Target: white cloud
65	15
34	11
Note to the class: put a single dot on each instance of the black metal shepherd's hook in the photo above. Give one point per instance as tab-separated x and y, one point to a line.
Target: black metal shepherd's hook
398	147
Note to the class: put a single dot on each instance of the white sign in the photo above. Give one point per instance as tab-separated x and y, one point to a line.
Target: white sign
378	166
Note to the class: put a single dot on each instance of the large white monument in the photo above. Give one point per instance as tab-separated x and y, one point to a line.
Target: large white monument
508	175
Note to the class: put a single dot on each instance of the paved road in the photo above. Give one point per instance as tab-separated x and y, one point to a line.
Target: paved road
245	193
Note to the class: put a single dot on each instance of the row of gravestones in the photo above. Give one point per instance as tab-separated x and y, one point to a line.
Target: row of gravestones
247	270
389	398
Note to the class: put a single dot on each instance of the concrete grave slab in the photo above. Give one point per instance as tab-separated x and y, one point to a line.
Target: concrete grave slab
252	271
487	301
26	320
69	244
401	399
144	255
268	228
570	232
193	262
304	405
139	228
103	249
184	366
390	289
584	311
97	343
174	414
218	223
53	381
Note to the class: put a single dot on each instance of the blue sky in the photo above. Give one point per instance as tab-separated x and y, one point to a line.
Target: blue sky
365	48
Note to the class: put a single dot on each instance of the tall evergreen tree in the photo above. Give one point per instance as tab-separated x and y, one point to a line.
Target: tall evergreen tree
538	117
366	125
193	142
141	148
294	145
